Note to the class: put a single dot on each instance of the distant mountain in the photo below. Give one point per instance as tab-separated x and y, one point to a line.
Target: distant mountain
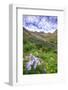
40	35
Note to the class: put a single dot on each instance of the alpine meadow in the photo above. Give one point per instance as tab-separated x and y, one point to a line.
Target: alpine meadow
39	44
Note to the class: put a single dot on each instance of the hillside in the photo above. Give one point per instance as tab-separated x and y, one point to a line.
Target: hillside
40	37
42	45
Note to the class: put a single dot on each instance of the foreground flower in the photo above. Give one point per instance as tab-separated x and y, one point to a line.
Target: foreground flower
33	61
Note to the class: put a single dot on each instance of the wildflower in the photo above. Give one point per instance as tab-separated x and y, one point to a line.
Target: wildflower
28	66
33	61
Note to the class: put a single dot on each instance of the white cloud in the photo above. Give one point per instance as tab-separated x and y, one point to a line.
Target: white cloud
43	23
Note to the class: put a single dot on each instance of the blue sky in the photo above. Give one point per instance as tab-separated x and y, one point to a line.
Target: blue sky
47	24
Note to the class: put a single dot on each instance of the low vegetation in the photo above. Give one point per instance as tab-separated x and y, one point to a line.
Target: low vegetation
42	45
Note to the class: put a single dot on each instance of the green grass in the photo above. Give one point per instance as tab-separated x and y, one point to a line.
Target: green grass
45	49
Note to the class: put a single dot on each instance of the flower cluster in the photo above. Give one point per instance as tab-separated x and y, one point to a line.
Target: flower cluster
33	61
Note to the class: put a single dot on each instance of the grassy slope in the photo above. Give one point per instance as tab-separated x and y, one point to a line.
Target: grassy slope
42	45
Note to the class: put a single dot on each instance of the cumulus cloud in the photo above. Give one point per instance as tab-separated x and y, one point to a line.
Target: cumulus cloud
40	23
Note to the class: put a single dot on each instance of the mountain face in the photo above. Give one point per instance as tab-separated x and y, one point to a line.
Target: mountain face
42	45
40	36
